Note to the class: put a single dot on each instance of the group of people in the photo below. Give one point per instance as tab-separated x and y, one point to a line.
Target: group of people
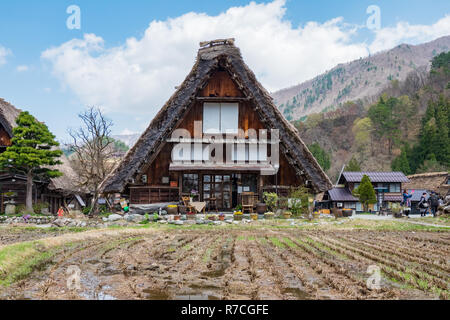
425	203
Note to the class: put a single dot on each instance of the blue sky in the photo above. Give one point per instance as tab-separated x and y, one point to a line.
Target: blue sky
129	66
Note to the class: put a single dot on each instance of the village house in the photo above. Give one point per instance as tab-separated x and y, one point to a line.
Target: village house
438	182
57	192
219	136
387	185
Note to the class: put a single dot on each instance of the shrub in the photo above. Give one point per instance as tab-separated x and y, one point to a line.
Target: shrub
38	207
271	199
21	208
299	203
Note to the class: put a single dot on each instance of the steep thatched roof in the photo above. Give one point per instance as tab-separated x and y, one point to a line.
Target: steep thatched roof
8	115
209	59
432	181
67	183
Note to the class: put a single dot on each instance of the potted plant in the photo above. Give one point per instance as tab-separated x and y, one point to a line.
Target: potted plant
194	194
172	209
269	215
287	214
237	215
347	212
261	208
190	215
222	217
254	216
211	217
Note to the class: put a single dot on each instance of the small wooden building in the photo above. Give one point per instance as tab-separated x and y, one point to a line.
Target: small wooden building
56	192
210	119
388	188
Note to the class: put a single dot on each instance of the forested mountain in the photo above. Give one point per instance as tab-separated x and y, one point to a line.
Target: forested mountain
405	129
361	79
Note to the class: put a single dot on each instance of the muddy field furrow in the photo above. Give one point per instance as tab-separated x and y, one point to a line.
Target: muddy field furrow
399	240
442	269
394	270
329	274
289	283
429	275
351	272
437	256
240	264
354	270
238	283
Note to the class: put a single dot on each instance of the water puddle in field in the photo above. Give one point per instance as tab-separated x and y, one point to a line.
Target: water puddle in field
93	290
297	293
195	292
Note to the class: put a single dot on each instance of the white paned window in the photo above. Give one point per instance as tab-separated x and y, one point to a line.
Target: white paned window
220	117
211	118
229	117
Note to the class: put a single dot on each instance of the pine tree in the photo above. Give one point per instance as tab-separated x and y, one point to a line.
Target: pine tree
31	153
401	163
365	192
322	157
353	165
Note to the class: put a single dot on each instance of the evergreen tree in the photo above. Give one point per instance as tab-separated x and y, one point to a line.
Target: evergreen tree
31	153
434	138
365	193
401	163
322	157
353	165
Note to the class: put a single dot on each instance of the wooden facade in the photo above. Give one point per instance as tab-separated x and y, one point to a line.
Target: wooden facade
160	180
224	145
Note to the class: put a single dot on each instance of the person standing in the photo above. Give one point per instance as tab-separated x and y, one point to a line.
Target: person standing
406	203
434	203
423	205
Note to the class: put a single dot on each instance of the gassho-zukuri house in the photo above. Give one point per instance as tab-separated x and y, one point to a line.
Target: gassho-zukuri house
388	189
219	135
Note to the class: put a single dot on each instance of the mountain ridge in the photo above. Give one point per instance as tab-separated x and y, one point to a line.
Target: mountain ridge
361	79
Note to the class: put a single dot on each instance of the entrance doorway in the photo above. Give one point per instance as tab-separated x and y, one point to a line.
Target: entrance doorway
218	186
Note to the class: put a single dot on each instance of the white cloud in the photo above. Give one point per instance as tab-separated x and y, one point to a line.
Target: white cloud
4	52
403	32
22	68
127	132
140	75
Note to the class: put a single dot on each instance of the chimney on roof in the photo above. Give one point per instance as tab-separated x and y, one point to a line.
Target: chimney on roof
217	42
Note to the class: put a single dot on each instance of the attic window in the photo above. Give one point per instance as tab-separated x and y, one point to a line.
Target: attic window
220	117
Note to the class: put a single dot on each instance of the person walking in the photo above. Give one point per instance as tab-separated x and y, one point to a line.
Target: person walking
406	203
423	205
434	203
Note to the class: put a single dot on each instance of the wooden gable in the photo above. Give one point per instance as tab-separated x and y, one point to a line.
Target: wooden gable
220	85
5	139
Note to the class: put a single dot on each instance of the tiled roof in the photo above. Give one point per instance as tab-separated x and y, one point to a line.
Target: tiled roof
393	198
341	194
376	176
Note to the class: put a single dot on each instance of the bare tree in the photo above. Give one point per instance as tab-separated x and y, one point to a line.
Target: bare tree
93	149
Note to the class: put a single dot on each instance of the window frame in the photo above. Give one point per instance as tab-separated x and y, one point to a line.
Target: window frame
220	129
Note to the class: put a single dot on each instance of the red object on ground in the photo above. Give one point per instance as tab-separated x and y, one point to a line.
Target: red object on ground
60	212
